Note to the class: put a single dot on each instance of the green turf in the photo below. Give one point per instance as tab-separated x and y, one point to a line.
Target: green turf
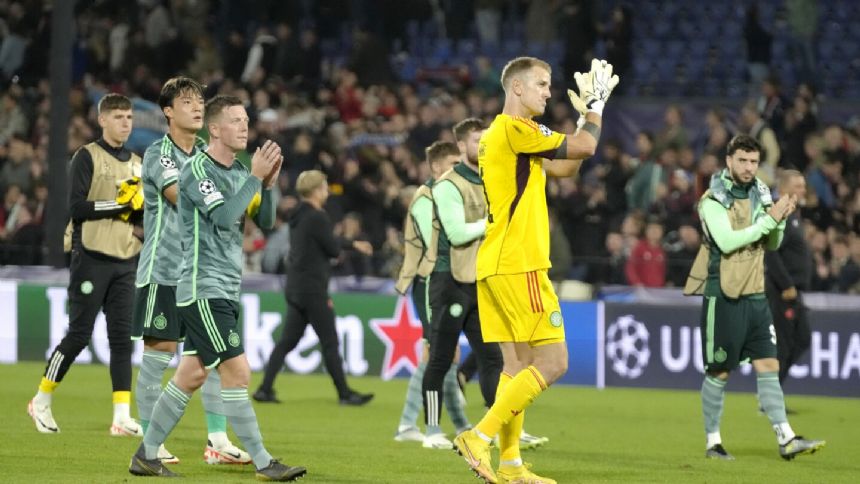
595	436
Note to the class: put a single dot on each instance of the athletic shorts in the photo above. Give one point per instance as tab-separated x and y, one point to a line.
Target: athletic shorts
212	330
520	308
155	314
736	330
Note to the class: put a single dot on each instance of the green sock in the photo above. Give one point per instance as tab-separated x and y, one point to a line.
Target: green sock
770	396
713	392
165	415
453	402
242	418
148	386
409	417
210	393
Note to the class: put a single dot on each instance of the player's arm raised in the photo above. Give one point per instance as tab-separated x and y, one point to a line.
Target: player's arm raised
595	88
265	217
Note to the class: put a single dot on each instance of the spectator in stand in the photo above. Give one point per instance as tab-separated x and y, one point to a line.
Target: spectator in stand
614	172
754	125
708	165
488	20
803	23
646	266
844	269
715	136
588	219
681	200
618	35
580	34
683	252
836	149
18	167
277	247
611	270
771	106
369	59
353	262
673	136
800	122
13	200
486	78
758	42
631	231
12	118
823	180
26	239
559	250
641	188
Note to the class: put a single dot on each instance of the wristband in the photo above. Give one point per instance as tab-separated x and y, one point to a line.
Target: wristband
596	107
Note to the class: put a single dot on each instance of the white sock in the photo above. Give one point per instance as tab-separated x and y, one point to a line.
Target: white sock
42	399
121	412
713	439
784	433
483	436
219	439
513	462
404	428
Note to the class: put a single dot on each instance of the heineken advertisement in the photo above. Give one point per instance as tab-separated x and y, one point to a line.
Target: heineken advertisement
379	334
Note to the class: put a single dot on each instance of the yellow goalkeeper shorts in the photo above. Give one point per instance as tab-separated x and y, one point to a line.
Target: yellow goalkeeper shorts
520	308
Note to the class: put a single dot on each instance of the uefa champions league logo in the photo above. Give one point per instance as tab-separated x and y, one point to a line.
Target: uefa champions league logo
627	347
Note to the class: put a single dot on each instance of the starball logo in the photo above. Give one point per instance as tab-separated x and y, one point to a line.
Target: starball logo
627	347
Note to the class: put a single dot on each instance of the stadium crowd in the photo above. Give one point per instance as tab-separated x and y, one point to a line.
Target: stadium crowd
628	218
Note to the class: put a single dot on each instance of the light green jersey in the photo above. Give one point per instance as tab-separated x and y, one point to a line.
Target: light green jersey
161	256
212	203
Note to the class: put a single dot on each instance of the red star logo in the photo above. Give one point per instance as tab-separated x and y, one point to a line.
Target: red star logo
402	337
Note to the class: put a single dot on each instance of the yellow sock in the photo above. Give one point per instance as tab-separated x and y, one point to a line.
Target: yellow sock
504	379
122	397
47	386
518	394
509	435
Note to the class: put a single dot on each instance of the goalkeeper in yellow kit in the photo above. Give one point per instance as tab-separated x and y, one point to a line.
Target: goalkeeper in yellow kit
518	306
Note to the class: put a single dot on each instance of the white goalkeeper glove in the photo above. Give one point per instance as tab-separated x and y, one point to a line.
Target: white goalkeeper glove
595	86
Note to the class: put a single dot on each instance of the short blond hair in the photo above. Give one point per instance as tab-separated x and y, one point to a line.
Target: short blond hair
309	181
520	65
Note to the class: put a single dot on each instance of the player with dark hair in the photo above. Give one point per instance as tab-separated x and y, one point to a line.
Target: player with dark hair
155	315
104	243
418	261
740	222
518	306
214	197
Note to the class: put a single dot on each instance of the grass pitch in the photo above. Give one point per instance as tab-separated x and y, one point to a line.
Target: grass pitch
613	435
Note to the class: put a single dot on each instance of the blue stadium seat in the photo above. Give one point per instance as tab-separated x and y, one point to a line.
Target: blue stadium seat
674	48
442	49
513	47
467	47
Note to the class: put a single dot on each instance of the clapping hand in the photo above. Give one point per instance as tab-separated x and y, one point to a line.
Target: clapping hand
264	159
783	208
595	87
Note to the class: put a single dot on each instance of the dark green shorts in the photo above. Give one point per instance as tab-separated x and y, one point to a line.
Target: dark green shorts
212	328
422	302
736	330
155	314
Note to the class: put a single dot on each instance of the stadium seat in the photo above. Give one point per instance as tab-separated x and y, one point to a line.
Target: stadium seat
575	291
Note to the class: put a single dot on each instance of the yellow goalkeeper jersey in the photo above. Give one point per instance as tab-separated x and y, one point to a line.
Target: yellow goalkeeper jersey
510	156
